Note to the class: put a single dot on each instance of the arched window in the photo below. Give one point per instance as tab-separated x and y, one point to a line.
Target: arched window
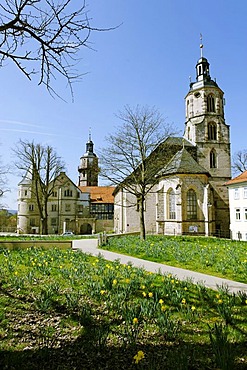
171	204
210	103
212	131
191	205
213	163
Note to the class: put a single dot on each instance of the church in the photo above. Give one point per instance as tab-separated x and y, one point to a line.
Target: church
189	196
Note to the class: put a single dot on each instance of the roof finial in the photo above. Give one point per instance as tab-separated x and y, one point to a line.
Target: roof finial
201	44
89	135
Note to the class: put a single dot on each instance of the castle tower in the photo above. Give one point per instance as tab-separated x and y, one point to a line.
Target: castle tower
88	168
205	127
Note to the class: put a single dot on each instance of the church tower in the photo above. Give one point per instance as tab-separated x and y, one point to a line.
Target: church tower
88	168
205	128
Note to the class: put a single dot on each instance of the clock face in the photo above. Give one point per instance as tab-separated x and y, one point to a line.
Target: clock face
197	95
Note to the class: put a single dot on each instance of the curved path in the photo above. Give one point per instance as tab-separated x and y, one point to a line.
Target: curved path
91	246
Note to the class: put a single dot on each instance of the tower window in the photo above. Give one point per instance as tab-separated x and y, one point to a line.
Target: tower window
210	103
212	131
191	205
171	204
213	159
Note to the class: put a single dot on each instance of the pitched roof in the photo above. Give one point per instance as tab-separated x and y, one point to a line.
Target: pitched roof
99	194
240	178
182	163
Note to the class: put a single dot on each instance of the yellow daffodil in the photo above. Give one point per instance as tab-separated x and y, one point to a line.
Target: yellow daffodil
161	301
139	356
135	320
183	301
150	294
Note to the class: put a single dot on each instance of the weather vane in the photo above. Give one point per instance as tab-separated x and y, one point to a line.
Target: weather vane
201	44
89	134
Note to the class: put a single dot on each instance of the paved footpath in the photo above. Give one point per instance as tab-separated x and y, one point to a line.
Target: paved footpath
91	246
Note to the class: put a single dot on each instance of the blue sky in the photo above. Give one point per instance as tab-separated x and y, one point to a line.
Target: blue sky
147	61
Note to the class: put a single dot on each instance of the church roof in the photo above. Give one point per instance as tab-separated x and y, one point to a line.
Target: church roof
240	178
182	163
99	194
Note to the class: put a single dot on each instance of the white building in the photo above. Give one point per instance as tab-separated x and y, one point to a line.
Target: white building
237	189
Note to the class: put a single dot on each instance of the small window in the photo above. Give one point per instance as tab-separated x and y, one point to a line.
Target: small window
213	159
31	207
68	193
25	192
245	193
53	207
236	193
245	214
237	214
32	221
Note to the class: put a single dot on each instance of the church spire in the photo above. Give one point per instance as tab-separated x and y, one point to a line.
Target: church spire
88	168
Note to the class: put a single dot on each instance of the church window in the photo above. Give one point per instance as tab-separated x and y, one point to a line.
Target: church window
213	159
210	103
191	205
237	214
212	131
171	204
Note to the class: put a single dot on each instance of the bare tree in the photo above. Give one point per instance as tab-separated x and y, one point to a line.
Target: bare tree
44	37
3	180
239	161
42	165
125	162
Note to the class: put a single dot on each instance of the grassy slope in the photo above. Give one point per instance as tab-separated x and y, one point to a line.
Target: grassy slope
219	257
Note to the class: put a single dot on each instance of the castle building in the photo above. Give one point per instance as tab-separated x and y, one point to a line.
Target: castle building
189	196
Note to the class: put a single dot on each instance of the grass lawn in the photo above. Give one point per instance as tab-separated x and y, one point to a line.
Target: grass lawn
220	257
61	309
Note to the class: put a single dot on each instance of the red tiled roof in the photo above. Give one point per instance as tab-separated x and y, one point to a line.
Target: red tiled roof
240	178
99	194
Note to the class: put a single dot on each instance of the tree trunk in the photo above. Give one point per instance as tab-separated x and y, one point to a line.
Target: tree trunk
142	220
